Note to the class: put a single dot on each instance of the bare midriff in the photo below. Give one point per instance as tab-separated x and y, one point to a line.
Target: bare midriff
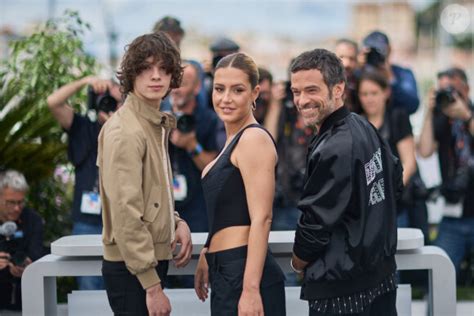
229	237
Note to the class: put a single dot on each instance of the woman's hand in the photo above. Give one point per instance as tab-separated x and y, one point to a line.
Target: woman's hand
201	277
250	303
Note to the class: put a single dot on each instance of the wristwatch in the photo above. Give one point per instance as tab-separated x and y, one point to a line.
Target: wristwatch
196	151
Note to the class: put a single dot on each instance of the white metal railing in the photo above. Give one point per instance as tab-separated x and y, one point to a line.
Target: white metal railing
81	255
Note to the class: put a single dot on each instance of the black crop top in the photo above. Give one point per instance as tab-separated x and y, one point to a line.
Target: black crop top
224	191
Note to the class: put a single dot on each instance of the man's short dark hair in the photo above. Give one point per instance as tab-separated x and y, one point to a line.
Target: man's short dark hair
442	74
348	42
263	75
458	73
323	60
453	72
169	24
156	45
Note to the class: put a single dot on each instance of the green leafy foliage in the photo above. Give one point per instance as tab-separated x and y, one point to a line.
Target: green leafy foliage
31	141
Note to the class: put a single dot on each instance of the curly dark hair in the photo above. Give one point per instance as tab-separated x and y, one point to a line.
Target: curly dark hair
156	45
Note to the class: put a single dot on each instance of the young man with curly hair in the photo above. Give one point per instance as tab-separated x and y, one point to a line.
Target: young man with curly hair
141	228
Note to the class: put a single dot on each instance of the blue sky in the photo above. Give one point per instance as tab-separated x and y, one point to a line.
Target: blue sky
211	16
297	19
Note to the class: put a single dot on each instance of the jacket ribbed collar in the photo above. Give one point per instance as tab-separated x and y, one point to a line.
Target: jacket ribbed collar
334	117
149	112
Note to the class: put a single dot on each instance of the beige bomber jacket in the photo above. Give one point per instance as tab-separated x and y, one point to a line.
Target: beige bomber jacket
135	188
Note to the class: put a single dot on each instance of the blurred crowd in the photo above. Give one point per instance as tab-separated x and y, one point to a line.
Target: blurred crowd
385	93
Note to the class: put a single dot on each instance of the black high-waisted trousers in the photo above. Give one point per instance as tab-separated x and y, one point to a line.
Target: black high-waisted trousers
226	275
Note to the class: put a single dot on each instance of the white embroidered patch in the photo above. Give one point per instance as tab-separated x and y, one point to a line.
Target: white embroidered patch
373	167
377	192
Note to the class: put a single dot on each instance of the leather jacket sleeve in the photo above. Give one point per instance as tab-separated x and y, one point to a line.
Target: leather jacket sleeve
326	195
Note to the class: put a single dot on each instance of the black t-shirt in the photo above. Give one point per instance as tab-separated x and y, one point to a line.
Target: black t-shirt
82	153
443	133
396	126
193	208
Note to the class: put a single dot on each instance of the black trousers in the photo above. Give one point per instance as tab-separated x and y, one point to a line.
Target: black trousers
226	275
10	294
382	305
124	291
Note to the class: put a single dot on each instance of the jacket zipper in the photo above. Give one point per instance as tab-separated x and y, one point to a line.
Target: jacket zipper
168	173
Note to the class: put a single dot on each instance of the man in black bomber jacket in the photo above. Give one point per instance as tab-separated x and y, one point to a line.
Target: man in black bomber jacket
346	238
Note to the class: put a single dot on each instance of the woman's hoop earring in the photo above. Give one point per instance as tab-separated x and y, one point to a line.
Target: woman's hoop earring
254	105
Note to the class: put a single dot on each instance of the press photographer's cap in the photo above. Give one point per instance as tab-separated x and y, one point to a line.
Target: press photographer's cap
223	44
377	40
169	24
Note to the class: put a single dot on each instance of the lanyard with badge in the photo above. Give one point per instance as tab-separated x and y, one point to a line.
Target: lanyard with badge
90	202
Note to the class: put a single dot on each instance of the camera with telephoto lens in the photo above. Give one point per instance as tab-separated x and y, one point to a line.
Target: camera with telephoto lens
186	123
101	102
375	58
444	98
10	241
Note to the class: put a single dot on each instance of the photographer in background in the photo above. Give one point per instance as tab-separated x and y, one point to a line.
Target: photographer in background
347	50
262	103
21	237
103	97
292	137
219	48
193	146
449	128
394	126
376	54
171	26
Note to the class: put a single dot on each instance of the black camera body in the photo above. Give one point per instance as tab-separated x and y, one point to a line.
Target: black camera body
415	190
444	98
186	123
375	58
101	102
12	247
456	188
